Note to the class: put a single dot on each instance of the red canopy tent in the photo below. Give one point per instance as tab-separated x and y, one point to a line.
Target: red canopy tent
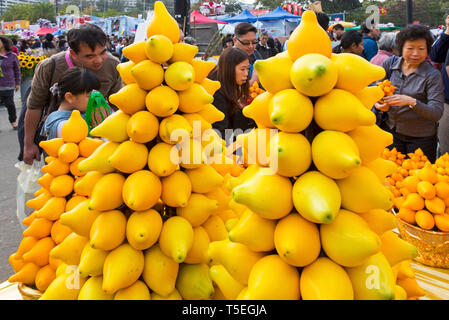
196	17
45	30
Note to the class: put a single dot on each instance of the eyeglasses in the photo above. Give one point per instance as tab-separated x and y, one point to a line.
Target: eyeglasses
247	43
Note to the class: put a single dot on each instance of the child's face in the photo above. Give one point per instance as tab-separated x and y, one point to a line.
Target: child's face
80	101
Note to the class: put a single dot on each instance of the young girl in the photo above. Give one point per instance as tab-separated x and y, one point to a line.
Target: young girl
73	93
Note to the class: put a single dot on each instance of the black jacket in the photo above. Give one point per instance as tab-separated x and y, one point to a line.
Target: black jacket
233	122
266	52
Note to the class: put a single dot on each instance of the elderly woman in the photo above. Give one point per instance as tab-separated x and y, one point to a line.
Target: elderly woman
417	105
386	48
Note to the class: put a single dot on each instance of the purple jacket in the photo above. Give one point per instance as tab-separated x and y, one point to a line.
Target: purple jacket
379	58
10	67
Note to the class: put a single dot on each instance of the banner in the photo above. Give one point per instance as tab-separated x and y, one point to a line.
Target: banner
18	24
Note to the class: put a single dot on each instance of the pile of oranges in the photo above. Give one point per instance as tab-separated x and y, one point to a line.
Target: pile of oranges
421	189
255	90
387	87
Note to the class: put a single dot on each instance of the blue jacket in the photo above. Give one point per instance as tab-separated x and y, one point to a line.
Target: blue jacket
370	47
438	54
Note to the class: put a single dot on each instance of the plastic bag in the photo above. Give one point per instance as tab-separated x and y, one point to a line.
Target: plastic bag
27	185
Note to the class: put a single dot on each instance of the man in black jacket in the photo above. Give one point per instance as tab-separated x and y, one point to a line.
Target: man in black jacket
262	47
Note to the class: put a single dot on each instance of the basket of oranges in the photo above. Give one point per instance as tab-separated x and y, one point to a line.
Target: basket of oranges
422	207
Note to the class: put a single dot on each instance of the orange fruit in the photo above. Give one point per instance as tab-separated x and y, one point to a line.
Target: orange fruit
39	201
59	232
407	215
424	219
435	205
25	245
44	277
74	168
426	190
398	201
404	192
26	274
442	190
88	146
40	252
411	183
68	152
39	228
45	180
414	202
442	222
28	220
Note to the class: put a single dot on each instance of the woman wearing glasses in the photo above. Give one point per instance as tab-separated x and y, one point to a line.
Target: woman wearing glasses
233	73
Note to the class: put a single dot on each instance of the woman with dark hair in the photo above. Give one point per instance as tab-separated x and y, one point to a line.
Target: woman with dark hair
351	42
9	78
232	72
414	111
72	93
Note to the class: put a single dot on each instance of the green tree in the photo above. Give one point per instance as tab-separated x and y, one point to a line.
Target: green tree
31	12
17	12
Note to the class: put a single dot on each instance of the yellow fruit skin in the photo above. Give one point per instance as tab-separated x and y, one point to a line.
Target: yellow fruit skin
271	278
258	110
91	261
129	99
113	127
141	190
297	240
373	280
85	185
325	280
274	73
362	191
411	286
98	161
396	249
309	37
211	114
198	252
174	295
137	291
183	52
335	154
341	111
313	75
53	209
369	96
176	238
382	168
162	101
80	218
129	157
75	129
44	277
194	98
204	179
160	272
270	196
179	76
124	69
65	287
316	197
148	74
371	141
92	290
69	250
135	51
38	254
237	258
348	240
159	159
51	147
380	220
26	274
194	282
122	267
176	189
159	48
108	230
225	282
143	229
163	23
354	72
294	154
215	228
198	209
254	231
399	293
290	111
142	127
107	193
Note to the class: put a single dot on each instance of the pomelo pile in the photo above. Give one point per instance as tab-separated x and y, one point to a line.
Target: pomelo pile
63	187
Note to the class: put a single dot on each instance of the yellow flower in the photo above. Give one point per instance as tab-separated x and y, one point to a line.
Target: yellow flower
30	65
23	64
32	59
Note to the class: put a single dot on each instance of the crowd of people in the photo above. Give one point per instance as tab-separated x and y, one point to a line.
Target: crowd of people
417	114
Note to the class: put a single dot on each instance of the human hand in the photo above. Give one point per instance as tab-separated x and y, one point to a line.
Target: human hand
31	152
399	100
17	87
384	107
